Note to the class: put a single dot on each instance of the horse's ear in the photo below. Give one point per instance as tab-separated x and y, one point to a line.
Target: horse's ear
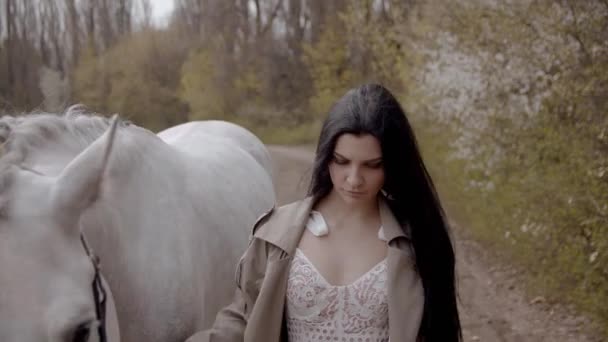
79	183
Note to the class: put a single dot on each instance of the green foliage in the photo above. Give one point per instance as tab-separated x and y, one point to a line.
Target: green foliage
329	67
126	80
358	46
541	197
21	60
377	42
217	86
249	84
568	147
199	87
90	81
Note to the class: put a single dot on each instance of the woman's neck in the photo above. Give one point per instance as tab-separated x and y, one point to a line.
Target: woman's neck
339	209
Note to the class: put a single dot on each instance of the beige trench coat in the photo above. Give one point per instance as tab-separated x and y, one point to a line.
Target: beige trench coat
257	311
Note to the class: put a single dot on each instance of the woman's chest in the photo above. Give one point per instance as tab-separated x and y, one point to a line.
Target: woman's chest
359	308
342	260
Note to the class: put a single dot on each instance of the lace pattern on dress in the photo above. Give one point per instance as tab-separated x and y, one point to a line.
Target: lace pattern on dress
319	311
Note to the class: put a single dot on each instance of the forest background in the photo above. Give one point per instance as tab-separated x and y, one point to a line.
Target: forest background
509	99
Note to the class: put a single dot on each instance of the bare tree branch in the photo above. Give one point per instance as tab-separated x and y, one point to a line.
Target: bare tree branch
258	18
273	15
576	33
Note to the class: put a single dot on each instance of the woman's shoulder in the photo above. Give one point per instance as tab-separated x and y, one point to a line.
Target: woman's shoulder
286	214
282	225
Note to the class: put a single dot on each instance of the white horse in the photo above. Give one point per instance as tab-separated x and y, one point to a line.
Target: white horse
168	220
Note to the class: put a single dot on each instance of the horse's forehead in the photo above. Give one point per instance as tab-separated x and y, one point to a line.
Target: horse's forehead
49	165
29	194
30	222
52	158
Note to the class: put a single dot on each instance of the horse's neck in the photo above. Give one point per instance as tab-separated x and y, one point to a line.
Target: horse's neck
143	177
140	162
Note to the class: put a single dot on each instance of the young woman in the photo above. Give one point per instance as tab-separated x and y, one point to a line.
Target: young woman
366	257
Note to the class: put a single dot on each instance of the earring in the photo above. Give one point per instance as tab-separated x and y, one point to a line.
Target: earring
386	194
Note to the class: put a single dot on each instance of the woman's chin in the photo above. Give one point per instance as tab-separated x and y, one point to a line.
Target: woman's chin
354	198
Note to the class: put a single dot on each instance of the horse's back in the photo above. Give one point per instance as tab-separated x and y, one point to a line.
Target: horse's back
196	136
228	170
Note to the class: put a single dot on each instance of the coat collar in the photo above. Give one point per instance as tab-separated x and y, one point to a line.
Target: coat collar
283	227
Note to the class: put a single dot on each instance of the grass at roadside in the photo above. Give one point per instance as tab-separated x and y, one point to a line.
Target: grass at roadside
552	264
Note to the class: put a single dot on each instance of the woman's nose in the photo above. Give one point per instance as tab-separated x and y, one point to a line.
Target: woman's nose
354	179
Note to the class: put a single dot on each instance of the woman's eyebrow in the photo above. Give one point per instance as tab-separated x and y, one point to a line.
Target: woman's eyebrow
365	161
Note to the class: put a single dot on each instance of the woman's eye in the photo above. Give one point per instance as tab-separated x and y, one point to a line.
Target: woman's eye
375	165
340	161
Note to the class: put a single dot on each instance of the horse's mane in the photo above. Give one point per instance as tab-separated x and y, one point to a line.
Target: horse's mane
20	134
24	133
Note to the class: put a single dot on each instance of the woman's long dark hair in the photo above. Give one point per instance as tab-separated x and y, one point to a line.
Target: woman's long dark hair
372	109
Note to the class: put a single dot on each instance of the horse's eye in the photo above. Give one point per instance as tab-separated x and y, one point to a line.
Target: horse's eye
82	332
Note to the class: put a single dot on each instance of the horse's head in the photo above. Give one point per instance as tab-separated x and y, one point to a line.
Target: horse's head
48	290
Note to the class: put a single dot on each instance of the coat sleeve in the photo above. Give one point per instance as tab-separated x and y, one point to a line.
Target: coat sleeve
229	324
231	321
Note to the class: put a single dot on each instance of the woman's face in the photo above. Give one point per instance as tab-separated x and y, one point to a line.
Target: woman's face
357	169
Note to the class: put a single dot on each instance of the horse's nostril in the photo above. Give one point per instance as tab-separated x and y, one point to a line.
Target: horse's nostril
82	332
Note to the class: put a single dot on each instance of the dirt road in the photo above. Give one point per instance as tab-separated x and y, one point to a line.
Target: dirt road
493	306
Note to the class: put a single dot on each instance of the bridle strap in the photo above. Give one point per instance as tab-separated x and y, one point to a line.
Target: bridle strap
99	293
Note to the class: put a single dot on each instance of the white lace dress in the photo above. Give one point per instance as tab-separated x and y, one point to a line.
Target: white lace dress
319	311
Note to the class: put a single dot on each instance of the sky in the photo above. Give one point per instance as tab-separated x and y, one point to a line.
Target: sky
160	9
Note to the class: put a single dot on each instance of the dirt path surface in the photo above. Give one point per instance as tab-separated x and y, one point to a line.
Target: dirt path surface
493	306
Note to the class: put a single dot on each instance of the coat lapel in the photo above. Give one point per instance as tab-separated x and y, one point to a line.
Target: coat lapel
286	225
283	230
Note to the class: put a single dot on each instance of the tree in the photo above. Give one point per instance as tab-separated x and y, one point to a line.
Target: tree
523	86
128	79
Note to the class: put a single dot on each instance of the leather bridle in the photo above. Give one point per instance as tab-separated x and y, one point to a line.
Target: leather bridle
99	293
